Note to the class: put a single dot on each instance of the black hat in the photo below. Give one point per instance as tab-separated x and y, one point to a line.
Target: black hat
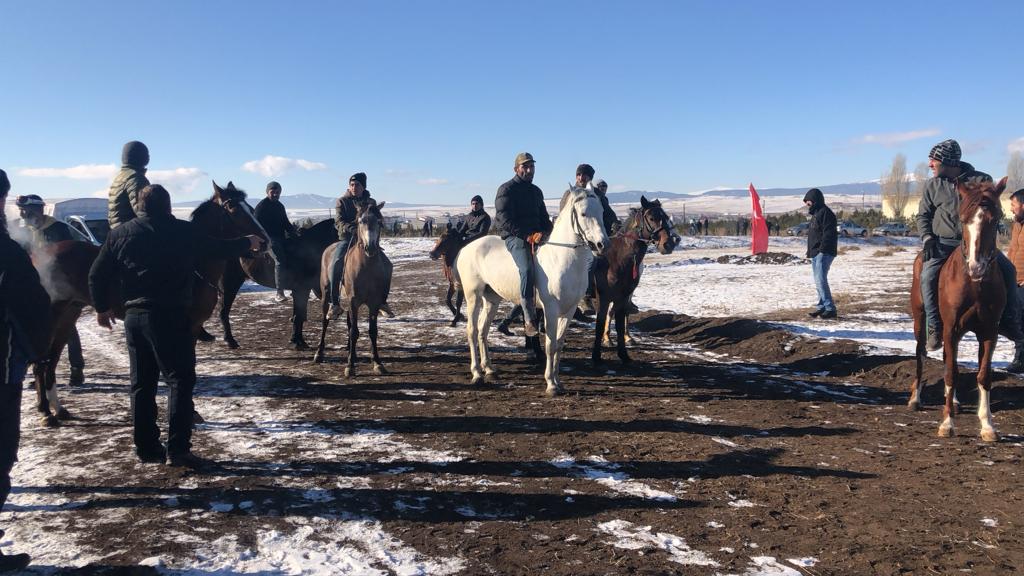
272	185
5	184
135	154
29	200
358	177
585	169
947	152
476	198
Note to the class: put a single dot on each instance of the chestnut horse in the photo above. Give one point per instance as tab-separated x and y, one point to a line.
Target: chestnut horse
971	299
617	272
367	281
65	270
301	274
446	249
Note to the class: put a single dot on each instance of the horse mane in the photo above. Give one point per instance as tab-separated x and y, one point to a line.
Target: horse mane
203	209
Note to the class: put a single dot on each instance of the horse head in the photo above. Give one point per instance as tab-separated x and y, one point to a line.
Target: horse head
369	221
448	244
241	219
655	225
980	212
586	217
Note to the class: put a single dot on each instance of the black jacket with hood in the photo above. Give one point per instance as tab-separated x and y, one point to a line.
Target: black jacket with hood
822	234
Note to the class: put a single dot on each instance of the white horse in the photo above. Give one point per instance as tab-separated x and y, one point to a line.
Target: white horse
485	271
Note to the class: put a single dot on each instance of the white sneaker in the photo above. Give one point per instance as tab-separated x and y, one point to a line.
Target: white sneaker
280	297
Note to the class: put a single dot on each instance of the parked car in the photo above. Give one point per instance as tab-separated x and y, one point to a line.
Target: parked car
891	229
848	228
86	216
799	229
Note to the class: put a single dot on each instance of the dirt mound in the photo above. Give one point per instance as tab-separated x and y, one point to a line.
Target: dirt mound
765	258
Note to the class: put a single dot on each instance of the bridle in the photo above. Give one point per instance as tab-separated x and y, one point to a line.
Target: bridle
574	221
640	223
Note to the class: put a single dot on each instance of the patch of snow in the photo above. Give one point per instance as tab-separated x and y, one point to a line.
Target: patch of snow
632	537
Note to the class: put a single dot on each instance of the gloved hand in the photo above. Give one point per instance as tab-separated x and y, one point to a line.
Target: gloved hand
535	238
931	248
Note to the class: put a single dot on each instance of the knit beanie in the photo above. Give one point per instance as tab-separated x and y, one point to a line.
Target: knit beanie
947	152
135	154
358	177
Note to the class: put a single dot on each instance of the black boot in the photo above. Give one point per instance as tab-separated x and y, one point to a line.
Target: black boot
529	318
934	340
1016	366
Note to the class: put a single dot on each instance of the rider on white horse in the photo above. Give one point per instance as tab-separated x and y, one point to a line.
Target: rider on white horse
522	220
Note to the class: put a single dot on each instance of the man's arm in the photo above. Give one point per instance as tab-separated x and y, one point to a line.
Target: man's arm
542	214
134	186
27	303
100	276
925	213
830	231
503	212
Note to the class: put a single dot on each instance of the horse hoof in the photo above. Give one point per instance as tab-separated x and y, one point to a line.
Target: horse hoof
233	344
553	391
63	414
205	336
349	371
453	323
197	418
379	370
606	342
914	406
300	346
628	340
477	381
989	435
946	432
626	360
49	421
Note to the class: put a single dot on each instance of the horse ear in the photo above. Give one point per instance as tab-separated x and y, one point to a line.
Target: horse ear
381	205
216	189
230	186
1001	186
644	202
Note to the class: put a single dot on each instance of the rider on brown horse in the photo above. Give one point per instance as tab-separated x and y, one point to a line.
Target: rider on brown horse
938	220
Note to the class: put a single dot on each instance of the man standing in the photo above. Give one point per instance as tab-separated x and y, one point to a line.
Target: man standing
153	258
270	213
48	230
124	190
24	337
476	224
822	241
345	222
522	220
938	220
1016	257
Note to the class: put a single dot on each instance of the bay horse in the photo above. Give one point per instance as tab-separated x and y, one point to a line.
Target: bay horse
66	268
367	280
617	272
446	249
971	299
301	274
487	274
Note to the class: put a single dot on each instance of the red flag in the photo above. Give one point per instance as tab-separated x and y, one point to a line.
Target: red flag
758	226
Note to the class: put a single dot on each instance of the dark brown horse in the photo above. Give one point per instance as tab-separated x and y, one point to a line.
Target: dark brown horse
300	275
65	267
367	281
617	272
971	299
446	249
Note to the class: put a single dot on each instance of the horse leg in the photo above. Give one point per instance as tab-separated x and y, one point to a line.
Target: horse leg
988	432
325	303
39	372
51	390
352	318
474	309
949	347
620	332
300	308
606	338
231	284
459	298
600	329
551	348
487	316
378	368
917	386
625	329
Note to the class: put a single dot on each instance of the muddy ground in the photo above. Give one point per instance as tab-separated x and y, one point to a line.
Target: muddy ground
726	441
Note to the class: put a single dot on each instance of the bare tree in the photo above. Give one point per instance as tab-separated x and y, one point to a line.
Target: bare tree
1015	173
896	187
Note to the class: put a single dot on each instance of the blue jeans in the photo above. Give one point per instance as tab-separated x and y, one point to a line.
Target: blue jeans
338	269
277	253
523	258
819	266
930	287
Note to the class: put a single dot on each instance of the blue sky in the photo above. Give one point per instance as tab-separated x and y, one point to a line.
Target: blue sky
434	99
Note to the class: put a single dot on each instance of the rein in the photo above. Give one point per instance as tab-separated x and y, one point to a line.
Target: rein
577	228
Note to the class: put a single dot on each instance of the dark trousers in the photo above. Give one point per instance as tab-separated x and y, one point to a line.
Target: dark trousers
1018	346
10	421
75	350
159	342
338	269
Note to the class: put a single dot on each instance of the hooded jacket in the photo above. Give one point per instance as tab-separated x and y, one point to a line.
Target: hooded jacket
822	233
123	197
938	213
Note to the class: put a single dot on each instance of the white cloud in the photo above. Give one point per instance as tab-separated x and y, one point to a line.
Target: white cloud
1016	146
894	138
432	182
178	180
80	172
271	166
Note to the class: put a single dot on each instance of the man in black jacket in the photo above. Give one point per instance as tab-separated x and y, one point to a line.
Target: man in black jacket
48	230
153	257
24	337
270	213
345	222
822	241
522	220
476	224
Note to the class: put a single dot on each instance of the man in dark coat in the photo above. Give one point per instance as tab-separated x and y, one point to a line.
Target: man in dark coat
345	222
270	213
938	221
48	230
122	199
476	224
153	257
522	220
822	241
608	215
24	337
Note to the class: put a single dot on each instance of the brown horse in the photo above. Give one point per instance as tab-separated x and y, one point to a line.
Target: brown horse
971	299
65	269
446	249
617	272
301	274
367	281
